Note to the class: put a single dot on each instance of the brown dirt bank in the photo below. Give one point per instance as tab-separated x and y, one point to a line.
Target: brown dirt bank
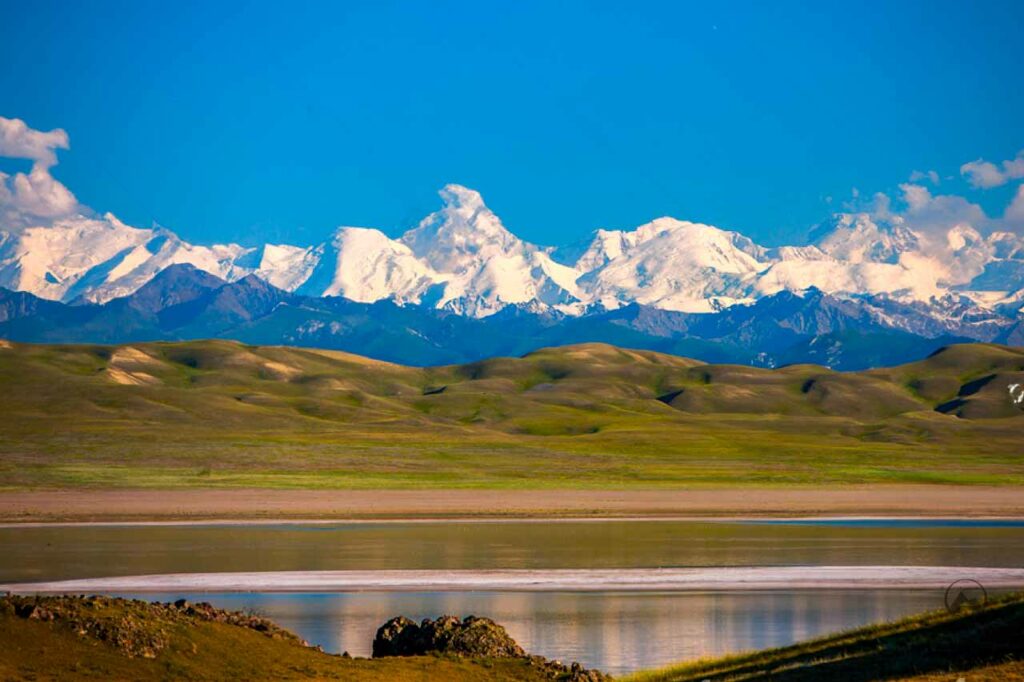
146	505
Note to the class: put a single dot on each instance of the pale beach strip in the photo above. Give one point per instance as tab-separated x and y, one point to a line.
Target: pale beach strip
277	506
570	580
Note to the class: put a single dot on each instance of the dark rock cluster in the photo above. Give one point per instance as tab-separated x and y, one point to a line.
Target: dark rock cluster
573	672
138	628
470	637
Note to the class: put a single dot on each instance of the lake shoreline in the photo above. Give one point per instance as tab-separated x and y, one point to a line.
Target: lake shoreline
265	506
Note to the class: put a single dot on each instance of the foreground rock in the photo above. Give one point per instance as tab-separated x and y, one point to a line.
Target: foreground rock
471	637
137	628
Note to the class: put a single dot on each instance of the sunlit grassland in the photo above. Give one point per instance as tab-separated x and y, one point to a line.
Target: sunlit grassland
219	414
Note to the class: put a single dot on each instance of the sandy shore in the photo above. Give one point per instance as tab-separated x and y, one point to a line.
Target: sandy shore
242	504
571	580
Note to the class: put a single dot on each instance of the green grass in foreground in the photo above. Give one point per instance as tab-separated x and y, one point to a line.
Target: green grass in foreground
981	643
216	414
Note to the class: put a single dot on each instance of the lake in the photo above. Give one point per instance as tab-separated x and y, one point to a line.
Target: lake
612	630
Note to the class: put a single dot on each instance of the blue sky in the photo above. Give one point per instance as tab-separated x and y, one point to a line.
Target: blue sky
280	121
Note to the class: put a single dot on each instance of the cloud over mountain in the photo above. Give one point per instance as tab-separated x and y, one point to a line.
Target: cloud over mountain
36	193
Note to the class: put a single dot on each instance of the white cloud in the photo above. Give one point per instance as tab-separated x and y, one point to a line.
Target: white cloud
939	213
931	176
882	206
19	141
951	228
985	174
39	193
935	216
1014	215
24	197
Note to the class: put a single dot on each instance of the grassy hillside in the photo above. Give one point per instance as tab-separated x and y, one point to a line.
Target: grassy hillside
114	640
218	413
976	644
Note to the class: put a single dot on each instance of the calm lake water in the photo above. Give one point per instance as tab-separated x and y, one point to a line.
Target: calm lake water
613	631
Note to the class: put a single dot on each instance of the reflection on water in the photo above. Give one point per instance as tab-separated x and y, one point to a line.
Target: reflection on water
56	553
614	632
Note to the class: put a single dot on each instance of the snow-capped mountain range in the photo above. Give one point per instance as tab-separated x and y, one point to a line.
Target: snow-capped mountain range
463	259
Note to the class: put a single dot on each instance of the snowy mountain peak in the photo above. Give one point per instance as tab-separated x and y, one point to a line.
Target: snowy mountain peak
101	259
287	267
484	266
462	258
452	238
462	198
371	266
1007	245
670	264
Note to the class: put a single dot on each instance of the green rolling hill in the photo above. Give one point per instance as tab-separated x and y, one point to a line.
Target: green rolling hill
219	413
